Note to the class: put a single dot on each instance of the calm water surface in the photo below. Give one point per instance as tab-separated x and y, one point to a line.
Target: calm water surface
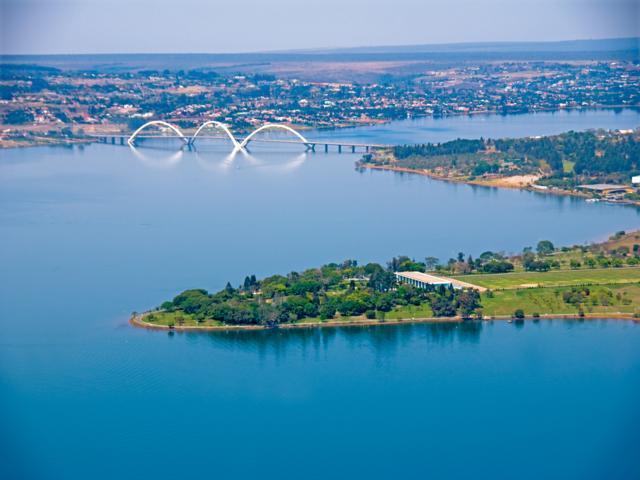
90	234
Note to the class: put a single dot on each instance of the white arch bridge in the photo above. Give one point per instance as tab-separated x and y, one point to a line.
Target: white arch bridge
238	145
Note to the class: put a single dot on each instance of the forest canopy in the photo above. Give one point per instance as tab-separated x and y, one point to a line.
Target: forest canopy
589	156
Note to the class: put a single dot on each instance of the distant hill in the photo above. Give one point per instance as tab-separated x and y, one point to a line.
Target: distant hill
605	49
612	45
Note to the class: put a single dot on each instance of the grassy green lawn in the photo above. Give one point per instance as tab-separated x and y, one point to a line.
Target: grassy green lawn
554	278
178	319
410	311
602	299
567	166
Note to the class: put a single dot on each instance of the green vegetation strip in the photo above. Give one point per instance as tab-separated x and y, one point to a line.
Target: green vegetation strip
554	278
616	299
349	294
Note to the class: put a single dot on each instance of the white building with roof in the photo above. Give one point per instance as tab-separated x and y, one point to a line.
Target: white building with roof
422	280
426	280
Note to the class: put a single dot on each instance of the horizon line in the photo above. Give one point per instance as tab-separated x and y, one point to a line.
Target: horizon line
335	49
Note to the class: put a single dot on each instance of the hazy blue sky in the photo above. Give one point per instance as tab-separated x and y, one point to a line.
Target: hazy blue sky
105	26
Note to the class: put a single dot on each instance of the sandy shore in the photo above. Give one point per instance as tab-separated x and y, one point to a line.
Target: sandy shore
520	182
516	181
138	321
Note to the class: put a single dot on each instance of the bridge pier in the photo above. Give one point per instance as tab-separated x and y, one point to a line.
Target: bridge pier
326	148
366	148
353	149
339	148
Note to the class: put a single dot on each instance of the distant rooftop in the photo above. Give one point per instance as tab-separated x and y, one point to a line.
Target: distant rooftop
425	278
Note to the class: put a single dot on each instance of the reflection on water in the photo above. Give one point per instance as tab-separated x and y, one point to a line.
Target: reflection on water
205	161
158	158
384	340
165	156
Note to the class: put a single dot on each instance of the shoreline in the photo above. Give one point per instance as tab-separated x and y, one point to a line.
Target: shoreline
496	183
62	143
138	322
373	122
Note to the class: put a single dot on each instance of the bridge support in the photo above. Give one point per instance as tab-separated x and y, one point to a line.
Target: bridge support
339	148
353	149
326	148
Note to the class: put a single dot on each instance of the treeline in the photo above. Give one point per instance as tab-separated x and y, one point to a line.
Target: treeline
345	289
532	149
567	158
590	153
487	262
453	147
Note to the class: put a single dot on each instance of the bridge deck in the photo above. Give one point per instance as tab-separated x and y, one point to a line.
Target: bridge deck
258	140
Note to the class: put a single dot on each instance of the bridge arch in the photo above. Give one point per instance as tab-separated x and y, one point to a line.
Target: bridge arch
271	126
156	122
220	125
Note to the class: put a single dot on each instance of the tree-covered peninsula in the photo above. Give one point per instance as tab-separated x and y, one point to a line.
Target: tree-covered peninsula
582	280
335	290
563	163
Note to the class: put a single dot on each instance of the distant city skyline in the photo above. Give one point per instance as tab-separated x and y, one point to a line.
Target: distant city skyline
190	26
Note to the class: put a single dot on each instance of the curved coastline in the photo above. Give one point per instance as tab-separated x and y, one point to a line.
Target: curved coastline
137	320
486	184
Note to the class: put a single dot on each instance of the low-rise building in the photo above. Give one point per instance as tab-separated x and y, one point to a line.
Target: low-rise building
426	280
422	280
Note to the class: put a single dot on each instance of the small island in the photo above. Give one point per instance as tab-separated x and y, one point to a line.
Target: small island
594	281
598	164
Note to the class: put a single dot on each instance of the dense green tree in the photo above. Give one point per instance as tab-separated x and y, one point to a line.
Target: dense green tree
545	247
328	310
382	280
497	266
431	263
443	307
468	302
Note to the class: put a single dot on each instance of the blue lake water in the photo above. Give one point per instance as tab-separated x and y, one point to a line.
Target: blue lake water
91	233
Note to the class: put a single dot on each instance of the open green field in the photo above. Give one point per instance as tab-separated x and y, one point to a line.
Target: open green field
554	278
601	291
567	166
601	299
409	311
178	319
